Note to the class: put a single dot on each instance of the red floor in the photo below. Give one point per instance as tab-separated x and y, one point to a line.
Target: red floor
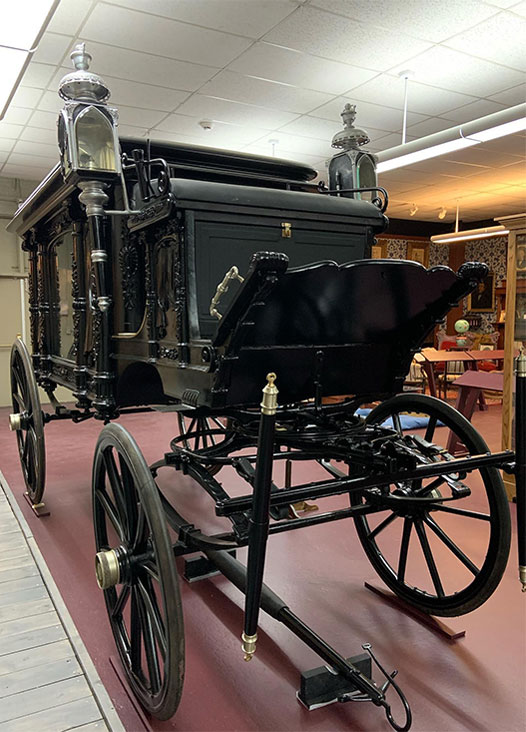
476	683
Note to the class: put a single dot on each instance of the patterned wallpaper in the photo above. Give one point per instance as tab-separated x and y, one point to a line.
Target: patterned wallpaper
438	253
493	252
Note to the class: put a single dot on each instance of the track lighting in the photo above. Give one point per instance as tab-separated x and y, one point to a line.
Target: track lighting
442	213
413	209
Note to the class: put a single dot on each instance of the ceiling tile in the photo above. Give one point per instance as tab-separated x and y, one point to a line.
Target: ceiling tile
469	112
26	96
140	117
519	8
39	134
47	120
293	67
480	155
52	48
32	160
234	86
152	34
510	97
368	115
125	64
431	20
6	145
24	172
9	130
512	145
50	102
429	126
421	98
384	142
69	16
295	144
38	75
237	134
251	19
224	110
299	157
330	36
485	40
321	129
36	149
17	115
450	69
131	93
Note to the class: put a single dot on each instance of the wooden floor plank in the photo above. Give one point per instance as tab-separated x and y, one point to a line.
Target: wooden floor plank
32	639
25	609
37	677
21	551
22	584
25	625
14	562
46	697
13	598
98	726
28	570
33	657
76	713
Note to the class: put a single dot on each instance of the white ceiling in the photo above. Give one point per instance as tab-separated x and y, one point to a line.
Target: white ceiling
282	70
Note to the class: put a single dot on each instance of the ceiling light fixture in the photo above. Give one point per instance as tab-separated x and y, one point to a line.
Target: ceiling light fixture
206	125
413	209
490	127
405	75
470	234
442	213
23	24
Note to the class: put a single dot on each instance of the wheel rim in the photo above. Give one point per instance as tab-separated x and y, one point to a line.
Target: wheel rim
30	434
202	434
144	609
426	553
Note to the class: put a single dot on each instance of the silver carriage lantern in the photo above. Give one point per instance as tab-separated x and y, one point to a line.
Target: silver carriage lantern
352	168
87	127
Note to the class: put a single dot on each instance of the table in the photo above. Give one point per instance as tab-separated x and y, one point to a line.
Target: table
470	387
433	356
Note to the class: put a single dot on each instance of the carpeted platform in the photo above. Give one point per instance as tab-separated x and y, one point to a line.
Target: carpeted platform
476	683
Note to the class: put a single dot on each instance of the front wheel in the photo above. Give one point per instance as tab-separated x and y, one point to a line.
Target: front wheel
135	567
445	555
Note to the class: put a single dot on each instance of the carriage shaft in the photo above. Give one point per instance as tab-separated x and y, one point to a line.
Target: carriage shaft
277	608
334	487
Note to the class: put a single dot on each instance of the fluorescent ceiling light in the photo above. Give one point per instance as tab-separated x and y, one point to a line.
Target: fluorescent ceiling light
490	127
23	24
470	234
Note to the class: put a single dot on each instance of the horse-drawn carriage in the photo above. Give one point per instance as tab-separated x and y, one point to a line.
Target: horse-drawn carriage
127	313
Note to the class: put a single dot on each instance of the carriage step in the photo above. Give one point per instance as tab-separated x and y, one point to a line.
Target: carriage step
198	568
321	686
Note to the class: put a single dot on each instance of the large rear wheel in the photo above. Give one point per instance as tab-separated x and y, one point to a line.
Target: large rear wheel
135	567
441	543
26	420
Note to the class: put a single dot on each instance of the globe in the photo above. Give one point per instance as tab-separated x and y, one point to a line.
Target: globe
462	326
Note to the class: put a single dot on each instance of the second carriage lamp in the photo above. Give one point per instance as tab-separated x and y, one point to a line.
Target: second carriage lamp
87	126
352	167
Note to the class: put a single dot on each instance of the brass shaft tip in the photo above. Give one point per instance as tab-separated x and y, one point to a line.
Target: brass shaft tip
248	646
271	378
522	576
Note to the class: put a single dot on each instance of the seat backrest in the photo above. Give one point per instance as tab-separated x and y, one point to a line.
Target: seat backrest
341	329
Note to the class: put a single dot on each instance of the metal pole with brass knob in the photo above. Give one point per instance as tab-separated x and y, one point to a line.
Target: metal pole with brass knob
520	462
259	519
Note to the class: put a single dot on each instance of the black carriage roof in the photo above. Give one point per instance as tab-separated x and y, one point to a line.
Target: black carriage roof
200	174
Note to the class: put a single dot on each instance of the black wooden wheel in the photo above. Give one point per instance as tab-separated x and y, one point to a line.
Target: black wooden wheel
143	601
27	421
200	434
445	557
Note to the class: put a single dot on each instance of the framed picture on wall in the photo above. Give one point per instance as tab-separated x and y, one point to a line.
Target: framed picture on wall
521	259
482	300
379	250
418	251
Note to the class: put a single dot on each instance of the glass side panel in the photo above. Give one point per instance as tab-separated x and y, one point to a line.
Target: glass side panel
95	145
65	296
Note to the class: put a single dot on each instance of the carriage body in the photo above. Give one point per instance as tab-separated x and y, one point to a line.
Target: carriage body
159	267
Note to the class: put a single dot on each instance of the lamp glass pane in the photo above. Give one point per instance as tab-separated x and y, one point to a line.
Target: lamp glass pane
94	138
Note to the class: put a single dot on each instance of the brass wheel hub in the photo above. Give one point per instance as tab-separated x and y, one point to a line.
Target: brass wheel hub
17	421
107	569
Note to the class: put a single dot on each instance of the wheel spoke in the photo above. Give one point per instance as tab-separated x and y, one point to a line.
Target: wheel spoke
140	528
122	599
151	570
431	486
430	429
397	423
381	526
404	547
426	549
459	511
150	648
152	608
135	635
110	511
466	561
